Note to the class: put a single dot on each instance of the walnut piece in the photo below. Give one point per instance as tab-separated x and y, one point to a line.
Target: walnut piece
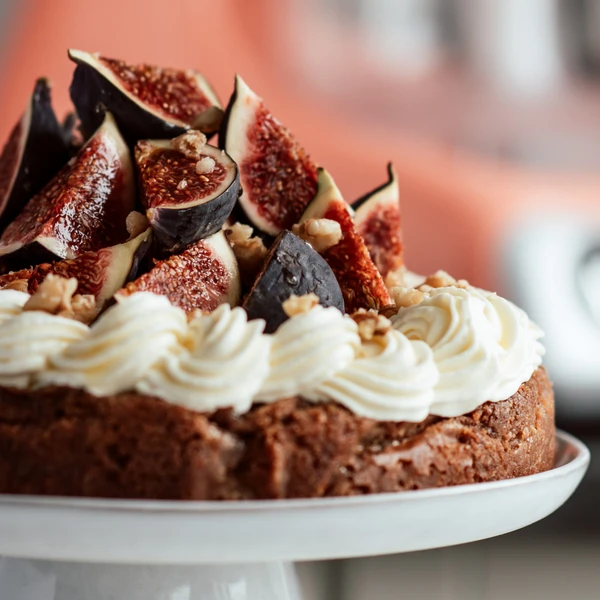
321	234
440	279
205	165
404	297
370	324
298	305
20	285
249	251
56	295
136	223
191	143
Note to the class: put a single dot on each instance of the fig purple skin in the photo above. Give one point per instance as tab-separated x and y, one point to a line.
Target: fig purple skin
291	267
182	204
137	104
278	177
34	153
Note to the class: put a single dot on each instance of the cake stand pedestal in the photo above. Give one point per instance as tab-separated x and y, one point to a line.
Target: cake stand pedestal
83	549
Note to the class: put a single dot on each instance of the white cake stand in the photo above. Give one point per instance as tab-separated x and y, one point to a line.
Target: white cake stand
79	549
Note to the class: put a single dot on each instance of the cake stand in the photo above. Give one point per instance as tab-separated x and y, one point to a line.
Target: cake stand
84	549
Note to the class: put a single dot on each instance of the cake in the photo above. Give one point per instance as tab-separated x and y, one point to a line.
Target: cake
230	328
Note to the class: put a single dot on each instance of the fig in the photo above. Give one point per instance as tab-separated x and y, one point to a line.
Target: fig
99	273
202	277
359	278
278	177
84	208
147	101
187	187
291	267
33	154
379	221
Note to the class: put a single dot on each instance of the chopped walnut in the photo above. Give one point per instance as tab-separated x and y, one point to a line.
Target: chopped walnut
143	149
205	165
298	305
20	285
440	279
249	251
370	324
395	279
321	234
190	143
56	295
404	297
136	223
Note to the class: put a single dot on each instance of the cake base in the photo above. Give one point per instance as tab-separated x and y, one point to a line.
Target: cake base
62	441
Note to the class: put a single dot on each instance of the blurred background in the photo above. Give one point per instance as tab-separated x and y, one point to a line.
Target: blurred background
490	112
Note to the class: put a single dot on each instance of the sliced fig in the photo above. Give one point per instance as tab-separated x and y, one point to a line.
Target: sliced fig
379	220
147	101
188	188
291	267
84	208
359	278
34	153
202	277
278	177
99	273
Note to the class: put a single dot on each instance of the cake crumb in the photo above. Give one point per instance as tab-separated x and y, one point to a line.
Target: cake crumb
370	324
205	165
298	305
190	143
136	223
249	251
404	297
56	296
321	234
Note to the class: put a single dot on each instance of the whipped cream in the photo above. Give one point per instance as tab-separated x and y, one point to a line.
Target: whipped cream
29	339
307	350
392	379
11	303
225	363
121	347
456	349
484	346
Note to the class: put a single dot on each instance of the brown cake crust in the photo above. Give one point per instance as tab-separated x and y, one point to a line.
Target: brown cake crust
61	441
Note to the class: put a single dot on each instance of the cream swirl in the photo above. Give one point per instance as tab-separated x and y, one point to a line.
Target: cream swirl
11	303
28	340
392	379
121	347
484	349
225	364
307	350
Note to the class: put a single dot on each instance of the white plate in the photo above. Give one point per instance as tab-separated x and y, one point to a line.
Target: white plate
179	533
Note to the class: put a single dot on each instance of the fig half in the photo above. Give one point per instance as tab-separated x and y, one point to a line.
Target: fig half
187	187
278	177
291	267
99	273
34	153
359	278
147	101
379	220
202	277
82	209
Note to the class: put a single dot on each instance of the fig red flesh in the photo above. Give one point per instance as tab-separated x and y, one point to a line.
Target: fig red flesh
359	278
171	92
99	273
379	220
202	277
84	207
278	177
